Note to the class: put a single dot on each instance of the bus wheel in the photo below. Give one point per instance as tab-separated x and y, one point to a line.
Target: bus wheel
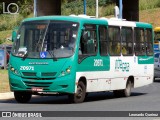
154	79
79	96
127	91
22	97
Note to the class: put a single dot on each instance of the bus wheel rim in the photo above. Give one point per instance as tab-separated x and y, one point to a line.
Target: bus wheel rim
79	91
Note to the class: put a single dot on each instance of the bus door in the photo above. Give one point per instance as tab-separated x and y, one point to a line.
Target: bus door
90	63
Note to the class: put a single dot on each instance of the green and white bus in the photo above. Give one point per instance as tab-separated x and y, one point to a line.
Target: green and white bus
77	55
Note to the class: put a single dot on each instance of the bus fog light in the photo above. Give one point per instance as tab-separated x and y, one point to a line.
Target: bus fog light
15	71
63	73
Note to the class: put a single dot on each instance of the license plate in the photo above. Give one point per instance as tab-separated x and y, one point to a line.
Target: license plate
37	89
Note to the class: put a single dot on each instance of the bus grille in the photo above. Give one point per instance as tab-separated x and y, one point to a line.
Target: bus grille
37	84
43	74
49	74
29	74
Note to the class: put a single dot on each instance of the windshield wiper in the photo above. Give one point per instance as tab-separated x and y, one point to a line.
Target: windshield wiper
44	36
52	54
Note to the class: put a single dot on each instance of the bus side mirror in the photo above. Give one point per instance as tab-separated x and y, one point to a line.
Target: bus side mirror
14	34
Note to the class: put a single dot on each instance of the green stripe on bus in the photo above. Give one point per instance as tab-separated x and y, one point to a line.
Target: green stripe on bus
145	60
94	64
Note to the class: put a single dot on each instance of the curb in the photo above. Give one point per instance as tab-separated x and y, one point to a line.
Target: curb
7	95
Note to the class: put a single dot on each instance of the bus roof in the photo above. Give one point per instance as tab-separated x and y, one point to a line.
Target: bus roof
70	18
144	25
90	20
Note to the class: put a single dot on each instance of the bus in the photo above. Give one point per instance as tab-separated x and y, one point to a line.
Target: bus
77	55
157	34
156	52
157	40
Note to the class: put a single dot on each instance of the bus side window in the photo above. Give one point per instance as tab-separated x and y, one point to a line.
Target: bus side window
140	47
114	40
127	40
84	42
88	43
149	42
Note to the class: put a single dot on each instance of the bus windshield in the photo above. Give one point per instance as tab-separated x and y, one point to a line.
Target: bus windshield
46	39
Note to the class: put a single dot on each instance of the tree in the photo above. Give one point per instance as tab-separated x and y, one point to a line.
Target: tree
26	7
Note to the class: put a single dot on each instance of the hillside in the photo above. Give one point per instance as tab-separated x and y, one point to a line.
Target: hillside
150	16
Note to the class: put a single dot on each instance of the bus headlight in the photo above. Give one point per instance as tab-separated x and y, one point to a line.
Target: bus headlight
14	70
66	72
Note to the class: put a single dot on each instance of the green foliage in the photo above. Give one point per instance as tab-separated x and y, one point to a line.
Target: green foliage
106	8
148	4
76	7
8	22
26	7
4	35
2	41
1	8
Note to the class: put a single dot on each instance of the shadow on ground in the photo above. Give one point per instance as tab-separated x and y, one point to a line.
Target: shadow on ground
92	97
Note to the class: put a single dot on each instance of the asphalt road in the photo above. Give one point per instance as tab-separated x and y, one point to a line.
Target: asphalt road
145	98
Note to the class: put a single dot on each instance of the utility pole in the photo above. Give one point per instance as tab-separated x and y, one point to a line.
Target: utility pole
96	8
84	4
121	8
35	8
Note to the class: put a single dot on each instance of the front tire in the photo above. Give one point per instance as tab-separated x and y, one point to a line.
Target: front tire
22	97
80	94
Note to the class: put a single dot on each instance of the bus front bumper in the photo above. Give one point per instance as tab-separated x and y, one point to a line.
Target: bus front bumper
65	84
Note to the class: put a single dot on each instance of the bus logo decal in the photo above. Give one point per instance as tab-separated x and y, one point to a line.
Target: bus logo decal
120	65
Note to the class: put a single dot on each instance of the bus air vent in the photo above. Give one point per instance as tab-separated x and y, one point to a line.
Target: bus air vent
29	73
37	84
49	74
